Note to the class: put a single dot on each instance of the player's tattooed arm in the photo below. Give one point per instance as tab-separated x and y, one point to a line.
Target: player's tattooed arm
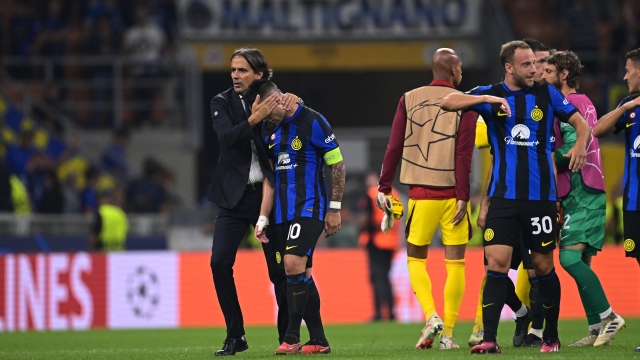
332	220
338	174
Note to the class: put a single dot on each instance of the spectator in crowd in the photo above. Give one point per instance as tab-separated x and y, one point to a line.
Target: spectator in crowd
145	43
51	40
163	13
104	41
105	10
24	30
6	204
109	232
114	160
172	198
147	195
52	200
380	248
13	194
71	194
19	156
89	195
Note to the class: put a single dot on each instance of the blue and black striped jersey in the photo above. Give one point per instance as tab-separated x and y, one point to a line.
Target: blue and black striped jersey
521	144
632	143
297	146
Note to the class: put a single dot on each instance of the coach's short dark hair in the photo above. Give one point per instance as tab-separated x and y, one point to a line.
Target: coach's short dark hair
536	45
256	60
567	60
634	55
509	49
262	87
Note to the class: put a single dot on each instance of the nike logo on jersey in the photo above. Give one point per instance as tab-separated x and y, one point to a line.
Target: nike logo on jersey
485	305
547	243
547	307
298	293
291	247
271	145
630	125
500	113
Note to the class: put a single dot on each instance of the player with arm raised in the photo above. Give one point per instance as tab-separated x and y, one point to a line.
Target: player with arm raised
526	286
624	118
520	113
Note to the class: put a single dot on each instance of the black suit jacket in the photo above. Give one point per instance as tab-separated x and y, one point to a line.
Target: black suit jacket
234	135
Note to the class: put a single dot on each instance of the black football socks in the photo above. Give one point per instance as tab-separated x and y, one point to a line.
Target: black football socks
494	297
297	295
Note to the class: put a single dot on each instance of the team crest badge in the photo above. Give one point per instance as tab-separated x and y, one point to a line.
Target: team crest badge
537	114
629	245
488	235
273	136
632	115
296	144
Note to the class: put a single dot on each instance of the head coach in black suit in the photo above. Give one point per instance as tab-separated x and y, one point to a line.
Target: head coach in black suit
237	189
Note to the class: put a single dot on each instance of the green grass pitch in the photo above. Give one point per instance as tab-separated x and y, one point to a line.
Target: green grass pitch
379	340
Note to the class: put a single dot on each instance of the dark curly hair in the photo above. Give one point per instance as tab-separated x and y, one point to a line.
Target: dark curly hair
634	55
567	60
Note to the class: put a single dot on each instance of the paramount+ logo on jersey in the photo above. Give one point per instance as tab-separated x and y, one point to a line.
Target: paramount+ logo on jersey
519	136
284	162
635	152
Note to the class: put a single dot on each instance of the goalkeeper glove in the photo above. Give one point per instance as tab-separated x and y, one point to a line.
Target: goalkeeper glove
392	208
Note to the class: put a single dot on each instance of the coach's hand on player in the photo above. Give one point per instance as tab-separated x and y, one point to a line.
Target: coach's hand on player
261	109
578	155
288	100
461	211
332	222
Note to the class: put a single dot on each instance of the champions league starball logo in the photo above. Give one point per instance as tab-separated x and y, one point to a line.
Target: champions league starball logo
519	134
143	292
635	152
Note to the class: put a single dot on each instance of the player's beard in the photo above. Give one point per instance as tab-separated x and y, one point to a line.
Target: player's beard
521	81
557	83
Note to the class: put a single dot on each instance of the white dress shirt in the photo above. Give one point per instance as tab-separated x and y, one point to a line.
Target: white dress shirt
255	172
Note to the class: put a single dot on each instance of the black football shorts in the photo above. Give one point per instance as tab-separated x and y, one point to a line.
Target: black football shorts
534	222
299	237
631	221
